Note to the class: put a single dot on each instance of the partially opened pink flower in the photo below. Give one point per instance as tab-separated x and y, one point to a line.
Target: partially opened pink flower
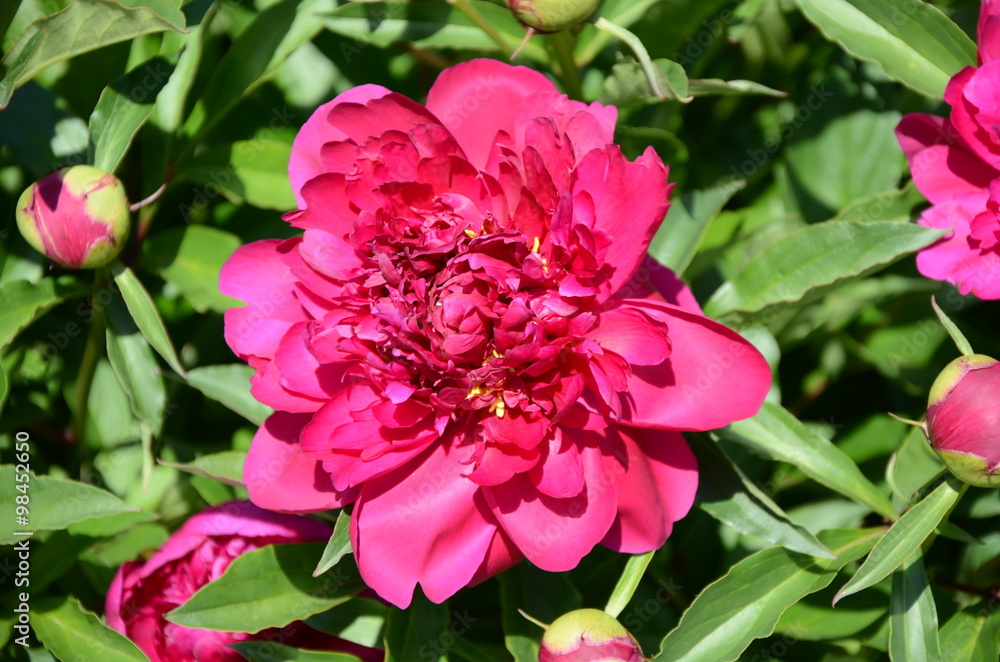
956	163
460	345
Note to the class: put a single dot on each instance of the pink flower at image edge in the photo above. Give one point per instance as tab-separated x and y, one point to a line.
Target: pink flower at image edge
197	553
468	342
955	163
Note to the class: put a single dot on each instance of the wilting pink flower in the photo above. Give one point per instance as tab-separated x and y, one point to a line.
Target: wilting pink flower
459	342
963	419
78	216
956	163
588	635
197	553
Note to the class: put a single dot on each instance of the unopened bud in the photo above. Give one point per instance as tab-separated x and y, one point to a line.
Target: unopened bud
588	634
552	15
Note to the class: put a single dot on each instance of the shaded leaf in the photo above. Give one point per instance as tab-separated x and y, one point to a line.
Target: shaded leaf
254	171
72	633
676	242
973	634
338	546
145	315
190	258
22	302
230	385
913	624
226	466
417	632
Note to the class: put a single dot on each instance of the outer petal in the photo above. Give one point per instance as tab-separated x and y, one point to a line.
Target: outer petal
478	98
306	162
256	274
424	523
279	476
656	477
989	31
951	258
712	378
632	335
555	534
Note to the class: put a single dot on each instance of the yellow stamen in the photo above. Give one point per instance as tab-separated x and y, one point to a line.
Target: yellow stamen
535	246
471	233
499	407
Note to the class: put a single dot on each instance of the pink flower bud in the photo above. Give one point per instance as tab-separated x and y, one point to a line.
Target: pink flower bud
78	216
552	15
586	635
963	419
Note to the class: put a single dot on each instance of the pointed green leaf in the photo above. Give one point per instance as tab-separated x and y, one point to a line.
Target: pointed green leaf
747	602
800	268
190	258
913	623
226	466
912	41
83	26
906	535
961	342
726	494
418	632
268	587
777	435
230	385
677	240
973	634
254	171
136	367
146	316
22	302
72	633
338	546
703	87
627	583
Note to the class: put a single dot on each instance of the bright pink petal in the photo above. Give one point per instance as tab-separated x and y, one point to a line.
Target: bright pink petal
712	378
306	161
989	31
952	259
656	477
425	523
478	98
660	283
941	172
632	335
560	472
279	476
501	555
555	534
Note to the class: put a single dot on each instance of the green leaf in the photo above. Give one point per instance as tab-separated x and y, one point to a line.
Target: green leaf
72	633
913	623
726	494
543	595
55	503
22	302
913	42
678	238
777	435
253	171
419	632
136	367
230	385
226	466
703	87
123	108
972	635
906	535
190	258
628	84
912	466
266	651
83	26
426	25
813	619
800	268
627	583
42	133
897	206
4	388
619	12
961	342
747	602
145	315
338	546
268	587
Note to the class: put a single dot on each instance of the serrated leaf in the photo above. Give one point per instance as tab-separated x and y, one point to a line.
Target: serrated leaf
338	546
268	587
226	466
726	494
56	503
747	602
145	315
913	42
253	171
906	535
230	385
72	633
81	27
417	632
266	651
775	434
972	635
123	108
22	302
676	242
799	268
190	258
913	624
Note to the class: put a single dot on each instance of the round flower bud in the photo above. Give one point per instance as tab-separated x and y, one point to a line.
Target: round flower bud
78	216
963	419
588	634
552	15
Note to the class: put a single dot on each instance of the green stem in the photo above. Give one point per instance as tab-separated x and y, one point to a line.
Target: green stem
466	8
88	364
562	47
648	68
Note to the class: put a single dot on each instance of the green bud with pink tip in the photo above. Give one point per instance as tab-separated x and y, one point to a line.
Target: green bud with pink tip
586	635
77	216
552	15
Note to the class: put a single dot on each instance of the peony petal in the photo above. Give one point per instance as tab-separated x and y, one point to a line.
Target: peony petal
279	476
477	99
632	335
424	523
555	534
656	477
560	472
501	555
301	372
989	31
951	258
712	378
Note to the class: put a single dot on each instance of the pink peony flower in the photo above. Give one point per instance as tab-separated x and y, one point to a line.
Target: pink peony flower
956	163
197	553
460	345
